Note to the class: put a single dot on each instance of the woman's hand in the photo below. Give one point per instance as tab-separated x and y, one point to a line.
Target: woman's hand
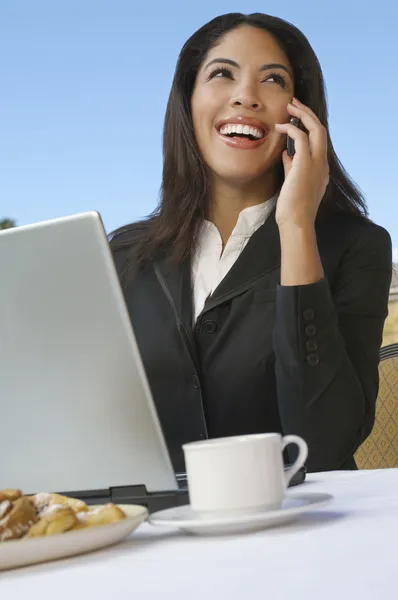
306	173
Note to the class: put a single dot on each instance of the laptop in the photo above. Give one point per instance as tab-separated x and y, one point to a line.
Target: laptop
76	412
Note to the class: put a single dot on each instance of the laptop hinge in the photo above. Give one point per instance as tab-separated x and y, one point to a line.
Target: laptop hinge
153	501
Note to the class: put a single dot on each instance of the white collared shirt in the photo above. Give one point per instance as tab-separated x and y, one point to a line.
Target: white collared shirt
210	265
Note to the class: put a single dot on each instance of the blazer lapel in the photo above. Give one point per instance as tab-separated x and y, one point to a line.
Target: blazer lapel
261	255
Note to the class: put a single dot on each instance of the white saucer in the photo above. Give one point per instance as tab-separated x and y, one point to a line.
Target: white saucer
184	518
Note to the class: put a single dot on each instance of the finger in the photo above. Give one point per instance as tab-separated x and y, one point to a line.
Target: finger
306	109
307	118
316	131
300	138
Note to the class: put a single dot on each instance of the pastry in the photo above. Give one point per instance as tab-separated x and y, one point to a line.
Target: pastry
104	515
53	520
43	500
49	514
10	495
18	520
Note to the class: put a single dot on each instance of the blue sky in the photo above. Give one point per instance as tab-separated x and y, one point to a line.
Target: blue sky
84	85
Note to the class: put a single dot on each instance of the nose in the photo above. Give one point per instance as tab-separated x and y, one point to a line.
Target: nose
247	100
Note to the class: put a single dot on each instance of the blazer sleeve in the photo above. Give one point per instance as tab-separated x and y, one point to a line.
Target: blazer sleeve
327	346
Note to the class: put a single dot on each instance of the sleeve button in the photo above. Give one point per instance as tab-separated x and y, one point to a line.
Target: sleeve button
311	345
313	360
308	314
310	330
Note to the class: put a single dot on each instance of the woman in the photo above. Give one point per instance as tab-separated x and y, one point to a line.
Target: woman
258	290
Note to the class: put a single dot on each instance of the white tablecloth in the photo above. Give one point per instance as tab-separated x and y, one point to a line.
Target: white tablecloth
347	550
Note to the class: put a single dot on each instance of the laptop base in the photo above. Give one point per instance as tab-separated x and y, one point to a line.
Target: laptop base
133	494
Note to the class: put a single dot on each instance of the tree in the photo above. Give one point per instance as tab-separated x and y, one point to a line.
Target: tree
7	223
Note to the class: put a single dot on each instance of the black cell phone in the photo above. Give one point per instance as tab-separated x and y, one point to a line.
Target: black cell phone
290	143
299	477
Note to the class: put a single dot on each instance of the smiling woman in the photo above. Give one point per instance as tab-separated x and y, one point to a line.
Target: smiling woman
258	289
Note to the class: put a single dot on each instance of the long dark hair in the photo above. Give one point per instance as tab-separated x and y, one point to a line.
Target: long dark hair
184	191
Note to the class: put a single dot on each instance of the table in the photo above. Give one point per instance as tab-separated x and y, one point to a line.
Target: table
347	550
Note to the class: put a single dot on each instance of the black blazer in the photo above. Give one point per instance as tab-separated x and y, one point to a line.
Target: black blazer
266	358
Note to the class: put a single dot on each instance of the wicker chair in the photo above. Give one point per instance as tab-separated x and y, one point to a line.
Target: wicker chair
380	449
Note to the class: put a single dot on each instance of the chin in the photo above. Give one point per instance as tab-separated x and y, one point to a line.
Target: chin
241	174
243	169
240	179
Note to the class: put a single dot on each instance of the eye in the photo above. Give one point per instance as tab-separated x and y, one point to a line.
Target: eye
279	79
220	72
224	72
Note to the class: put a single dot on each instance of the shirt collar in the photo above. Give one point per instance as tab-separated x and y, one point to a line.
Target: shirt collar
249	220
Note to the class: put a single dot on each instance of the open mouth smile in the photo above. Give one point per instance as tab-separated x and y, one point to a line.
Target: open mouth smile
242	132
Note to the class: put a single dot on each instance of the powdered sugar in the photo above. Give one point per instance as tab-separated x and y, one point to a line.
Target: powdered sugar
83	515
52	508
5	507
42	500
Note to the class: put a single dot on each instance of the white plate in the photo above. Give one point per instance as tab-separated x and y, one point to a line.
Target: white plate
184	518
28	551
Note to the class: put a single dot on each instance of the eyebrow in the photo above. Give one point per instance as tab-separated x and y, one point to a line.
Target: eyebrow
228	61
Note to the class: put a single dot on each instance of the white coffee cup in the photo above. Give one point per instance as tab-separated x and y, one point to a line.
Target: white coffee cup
240	474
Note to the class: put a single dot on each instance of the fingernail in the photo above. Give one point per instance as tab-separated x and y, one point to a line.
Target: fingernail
295	101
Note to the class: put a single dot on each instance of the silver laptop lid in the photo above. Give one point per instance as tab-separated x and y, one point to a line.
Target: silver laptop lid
76	412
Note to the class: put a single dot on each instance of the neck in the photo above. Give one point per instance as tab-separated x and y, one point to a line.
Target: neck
228	200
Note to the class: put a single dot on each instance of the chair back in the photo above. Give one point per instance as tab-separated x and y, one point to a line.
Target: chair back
380	449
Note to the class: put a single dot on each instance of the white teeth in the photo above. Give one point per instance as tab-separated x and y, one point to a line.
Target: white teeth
245	129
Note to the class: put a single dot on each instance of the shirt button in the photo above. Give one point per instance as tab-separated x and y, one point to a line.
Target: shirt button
210	326
195	382
311	345
313	360
310	330
308	314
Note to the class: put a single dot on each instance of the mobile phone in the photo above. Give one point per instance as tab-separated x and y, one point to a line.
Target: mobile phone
298	478
290	143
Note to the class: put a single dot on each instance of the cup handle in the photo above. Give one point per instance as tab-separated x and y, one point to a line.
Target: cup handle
302	456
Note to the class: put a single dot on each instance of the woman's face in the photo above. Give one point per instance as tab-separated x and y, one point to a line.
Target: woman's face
245	82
